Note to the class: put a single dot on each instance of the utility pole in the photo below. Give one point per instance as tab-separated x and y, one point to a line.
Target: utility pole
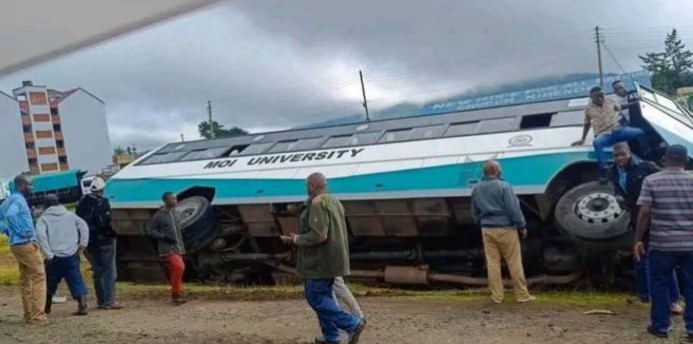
365	103
182	137
598	40
211	123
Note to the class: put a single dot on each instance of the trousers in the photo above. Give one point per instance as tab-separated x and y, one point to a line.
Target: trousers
504	243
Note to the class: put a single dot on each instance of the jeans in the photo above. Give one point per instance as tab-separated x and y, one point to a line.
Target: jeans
642	281
103	265
609	139
67	268
662	266
331	318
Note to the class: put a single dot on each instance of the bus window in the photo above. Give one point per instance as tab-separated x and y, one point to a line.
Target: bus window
257	148
337	141
163	158
464	128
211	153
295	145
429	132
497	125
396	135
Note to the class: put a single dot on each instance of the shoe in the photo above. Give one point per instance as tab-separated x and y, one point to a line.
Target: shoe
321	340
658	334
529	298
676	309
496	301
81	306
354	337
40	322
178	299
114	305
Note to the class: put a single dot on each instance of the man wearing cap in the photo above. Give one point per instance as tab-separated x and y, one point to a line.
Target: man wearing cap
16	222
603	116
62	236
101	251
666	210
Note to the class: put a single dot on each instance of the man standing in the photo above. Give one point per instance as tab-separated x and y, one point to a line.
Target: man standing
666	209
63	236
18	225
323	255
603	116
165	228
621	93
497	210
627	176
101	251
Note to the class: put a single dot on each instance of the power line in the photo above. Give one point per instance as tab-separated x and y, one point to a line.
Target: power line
613	58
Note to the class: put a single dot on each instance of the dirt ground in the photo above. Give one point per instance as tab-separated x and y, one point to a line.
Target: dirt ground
391	320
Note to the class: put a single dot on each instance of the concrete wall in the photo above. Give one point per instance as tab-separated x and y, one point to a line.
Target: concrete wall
13	159
84	127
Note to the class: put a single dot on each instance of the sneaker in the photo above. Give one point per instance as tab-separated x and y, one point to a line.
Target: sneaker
676	309
178	299
528	298
321	340
354	337
658	334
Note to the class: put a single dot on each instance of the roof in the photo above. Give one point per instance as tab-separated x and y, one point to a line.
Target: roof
66	94
566	112
7	95
64	29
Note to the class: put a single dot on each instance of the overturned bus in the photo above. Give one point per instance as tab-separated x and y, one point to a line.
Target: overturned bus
405	184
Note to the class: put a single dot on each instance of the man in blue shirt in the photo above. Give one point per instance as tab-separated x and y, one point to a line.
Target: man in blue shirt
18	225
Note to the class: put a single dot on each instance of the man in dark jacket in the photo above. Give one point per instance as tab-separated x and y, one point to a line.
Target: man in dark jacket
323	255
165	228
627	175
101	251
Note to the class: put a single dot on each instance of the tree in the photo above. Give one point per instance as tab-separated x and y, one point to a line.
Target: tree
671	68
219	130
118	150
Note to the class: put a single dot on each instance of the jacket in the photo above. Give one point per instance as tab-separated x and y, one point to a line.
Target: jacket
323	247
60	232
96	211
16	221
494	204
636	171
165	228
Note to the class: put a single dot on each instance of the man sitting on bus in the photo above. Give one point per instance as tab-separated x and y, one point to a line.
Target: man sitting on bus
603	115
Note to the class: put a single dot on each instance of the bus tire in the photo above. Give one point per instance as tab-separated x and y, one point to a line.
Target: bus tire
589	213
198	223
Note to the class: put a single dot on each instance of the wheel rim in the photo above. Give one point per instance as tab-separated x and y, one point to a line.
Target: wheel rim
187	210
598	208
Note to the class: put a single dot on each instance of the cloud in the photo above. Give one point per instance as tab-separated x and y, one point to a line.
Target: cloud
278	64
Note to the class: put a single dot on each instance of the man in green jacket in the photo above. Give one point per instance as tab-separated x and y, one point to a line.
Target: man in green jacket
323	255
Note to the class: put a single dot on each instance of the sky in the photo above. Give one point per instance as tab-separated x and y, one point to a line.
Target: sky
273	64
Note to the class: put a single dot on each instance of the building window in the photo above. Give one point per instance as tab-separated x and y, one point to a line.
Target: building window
57	127
49	167
30	145
38	98
42	117
46	150
44	134
60	143
54	111
27	128
62	160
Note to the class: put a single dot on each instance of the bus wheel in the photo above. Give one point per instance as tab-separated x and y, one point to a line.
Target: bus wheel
198	223
590	212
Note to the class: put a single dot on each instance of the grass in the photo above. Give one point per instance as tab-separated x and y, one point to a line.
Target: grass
9	276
